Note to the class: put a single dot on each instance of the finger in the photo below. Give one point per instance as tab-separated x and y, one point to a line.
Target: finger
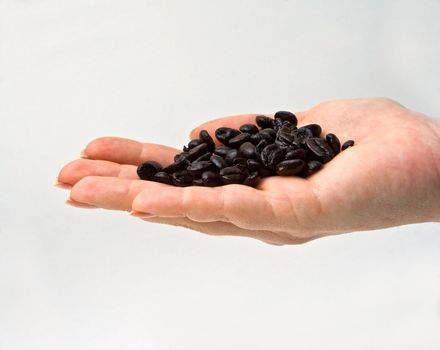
227	229
243	206
76	170
110	192
234	121
125	151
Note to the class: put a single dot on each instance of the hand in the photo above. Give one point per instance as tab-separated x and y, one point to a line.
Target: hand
390	177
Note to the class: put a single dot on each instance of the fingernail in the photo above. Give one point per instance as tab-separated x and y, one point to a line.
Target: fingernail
62	185
79	204
83	154
142	215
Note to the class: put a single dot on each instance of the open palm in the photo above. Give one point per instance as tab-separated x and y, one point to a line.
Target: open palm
390	177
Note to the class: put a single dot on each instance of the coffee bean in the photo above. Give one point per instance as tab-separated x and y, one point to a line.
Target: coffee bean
253	164
233	179
301	135
211	179
231	170
197	151
271	156
218	161
286	117
206	138
236	141
247	150
260	146
290	167
148	169
194	143
240	161
320	149
255	138
314	128
252	179
222	151
231	155
249	128
163	177
203	157
299	153
196	169
180	163
334	143
265	172
264	122
225	134
182	178
349	143
198	182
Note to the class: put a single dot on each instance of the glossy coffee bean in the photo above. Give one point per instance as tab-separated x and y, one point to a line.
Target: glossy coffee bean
233	179
232	154
299	153
206	138
255	138
198	182
268	134
313	166
179	164
148	169
301	135
320	149
252	179
314	128
196	169
334	143
260	146
194	143
163	177
249	128
265	172
247	150
203	157
290	167
218	161
253	165
271	156
240	161
222	151
231	170
180	156
286	117
211	179
182	178
197	151
264	122
349	143
236	141
225	134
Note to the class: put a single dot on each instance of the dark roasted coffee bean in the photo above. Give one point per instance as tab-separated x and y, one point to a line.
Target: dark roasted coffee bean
218	161
313	166
225	134
240	161
286	116
185	149
233	179
253	165
211	179
252	179
222	151
285	137
264	122
290	167
148	169
198	182
320	149
264	172
255	138
197	151
203	157
182	178
260	146
231	155
231	170
302	135
180	163
194	143
269	131
206	138
271	156
347	144
196	169
247	150
334	143
249	128
314	128
163	177
299	153
180	156
236	141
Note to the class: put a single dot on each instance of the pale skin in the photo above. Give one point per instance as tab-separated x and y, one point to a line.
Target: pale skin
390	177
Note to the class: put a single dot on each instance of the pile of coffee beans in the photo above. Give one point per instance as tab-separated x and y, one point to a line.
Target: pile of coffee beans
274	146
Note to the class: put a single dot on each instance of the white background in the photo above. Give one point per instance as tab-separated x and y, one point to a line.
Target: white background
71	71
